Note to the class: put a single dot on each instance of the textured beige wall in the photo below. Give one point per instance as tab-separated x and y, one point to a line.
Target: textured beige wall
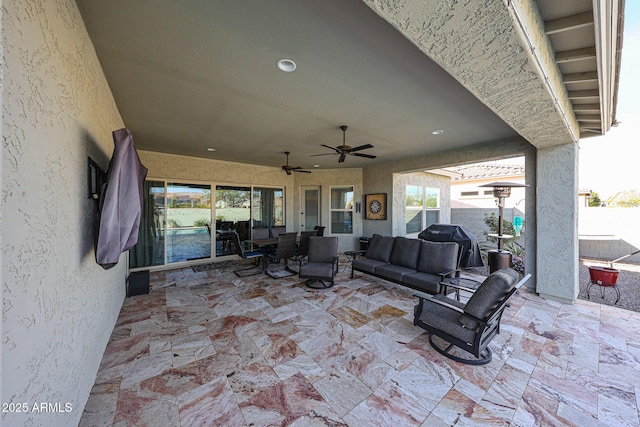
170	166
400	182
380	179
59	306
194	169
326	179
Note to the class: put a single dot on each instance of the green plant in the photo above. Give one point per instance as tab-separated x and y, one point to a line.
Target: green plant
509	245
201	222
172	223
491	221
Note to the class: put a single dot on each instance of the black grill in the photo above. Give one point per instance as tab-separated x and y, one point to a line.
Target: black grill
468	242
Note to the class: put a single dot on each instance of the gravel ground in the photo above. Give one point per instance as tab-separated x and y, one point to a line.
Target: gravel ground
628	284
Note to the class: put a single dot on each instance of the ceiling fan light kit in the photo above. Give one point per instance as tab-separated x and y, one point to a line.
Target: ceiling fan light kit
344	149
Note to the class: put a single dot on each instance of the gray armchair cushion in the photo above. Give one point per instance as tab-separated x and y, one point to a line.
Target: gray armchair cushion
366	264
427	282
380	248
318	269
446	319
405	252
323	249
488	296
392	271
437	257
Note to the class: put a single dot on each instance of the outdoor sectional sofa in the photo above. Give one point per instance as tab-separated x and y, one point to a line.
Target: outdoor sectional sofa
418	264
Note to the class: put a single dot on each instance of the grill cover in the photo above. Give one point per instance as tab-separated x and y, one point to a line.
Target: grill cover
462	236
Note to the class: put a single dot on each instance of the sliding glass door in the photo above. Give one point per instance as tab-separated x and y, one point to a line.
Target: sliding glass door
149	250
176	224
233	214
188	220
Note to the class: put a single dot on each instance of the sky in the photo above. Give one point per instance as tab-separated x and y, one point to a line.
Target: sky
611	163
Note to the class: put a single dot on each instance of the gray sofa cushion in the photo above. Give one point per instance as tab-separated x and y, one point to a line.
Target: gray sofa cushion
489	295
380	248
437	257
424	281
393	272
366	264
405	252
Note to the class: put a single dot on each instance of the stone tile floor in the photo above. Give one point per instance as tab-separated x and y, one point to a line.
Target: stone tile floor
212	349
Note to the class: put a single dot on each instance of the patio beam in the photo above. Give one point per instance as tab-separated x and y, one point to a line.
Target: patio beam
576	55
584	94
588	76
568	23
586	108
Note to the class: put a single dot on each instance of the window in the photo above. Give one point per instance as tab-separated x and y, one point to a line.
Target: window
422	208
469	193
342	210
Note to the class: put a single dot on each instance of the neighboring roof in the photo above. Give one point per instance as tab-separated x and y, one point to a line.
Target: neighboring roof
486	170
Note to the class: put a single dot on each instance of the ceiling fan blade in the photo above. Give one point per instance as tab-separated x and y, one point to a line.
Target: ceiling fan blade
325	154
368	156
361	147
342	157
333	148
300	170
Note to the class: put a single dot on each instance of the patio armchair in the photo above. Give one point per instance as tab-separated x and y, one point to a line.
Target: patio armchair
468	328
322	264
286	249
245	255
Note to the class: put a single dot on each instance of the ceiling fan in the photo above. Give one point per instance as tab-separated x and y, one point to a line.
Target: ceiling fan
288	169
344	149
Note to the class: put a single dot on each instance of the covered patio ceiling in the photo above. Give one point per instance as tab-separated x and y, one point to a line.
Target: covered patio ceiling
187	76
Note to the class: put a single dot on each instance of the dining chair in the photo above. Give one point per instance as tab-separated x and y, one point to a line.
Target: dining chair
285	249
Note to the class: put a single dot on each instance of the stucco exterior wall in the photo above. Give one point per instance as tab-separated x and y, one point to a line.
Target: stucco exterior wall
194	169
557	222
482	46
609	233
326	179
400	182
174	167
59	306
380	178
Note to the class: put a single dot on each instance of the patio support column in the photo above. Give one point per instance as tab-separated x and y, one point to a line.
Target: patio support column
557	222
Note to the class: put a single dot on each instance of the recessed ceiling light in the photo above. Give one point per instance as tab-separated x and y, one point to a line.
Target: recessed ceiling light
286	65
437	132
316	166
211	149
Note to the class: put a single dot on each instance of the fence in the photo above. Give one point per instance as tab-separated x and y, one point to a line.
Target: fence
606	233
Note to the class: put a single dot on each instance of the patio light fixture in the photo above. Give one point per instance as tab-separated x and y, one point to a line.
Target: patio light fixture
500	258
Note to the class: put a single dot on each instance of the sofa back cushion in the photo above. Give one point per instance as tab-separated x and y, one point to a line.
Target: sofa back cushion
380	247
405	252
437	257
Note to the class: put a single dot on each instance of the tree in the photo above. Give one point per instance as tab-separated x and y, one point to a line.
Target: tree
627	199
594	200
